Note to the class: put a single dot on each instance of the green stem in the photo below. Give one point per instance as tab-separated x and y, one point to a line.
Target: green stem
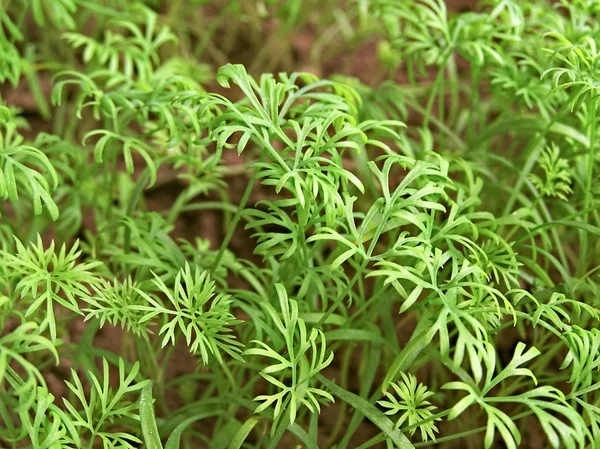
532	149
438	123
475	109
112	183
584	247
234	223
333	437
360	270
405	358
467	432
439	79
347	290
454	90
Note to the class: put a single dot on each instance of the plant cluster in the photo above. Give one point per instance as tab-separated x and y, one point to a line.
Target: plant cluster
418	264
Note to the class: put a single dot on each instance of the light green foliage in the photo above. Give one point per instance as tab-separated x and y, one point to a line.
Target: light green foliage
410	401
22	169
195	313
43	277
546	402
215	251
306	357
96	414
118	303
557	176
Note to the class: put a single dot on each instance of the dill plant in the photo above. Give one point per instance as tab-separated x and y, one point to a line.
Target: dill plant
425	252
